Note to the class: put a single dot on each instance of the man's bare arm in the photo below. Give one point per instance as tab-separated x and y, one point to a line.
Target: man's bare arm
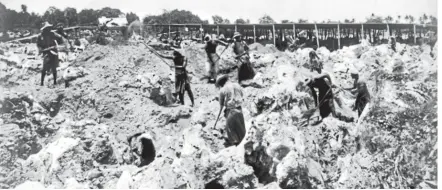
315	97
222	43
164	56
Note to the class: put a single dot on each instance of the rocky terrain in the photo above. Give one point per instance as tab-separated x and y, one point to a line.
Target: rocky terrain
77	136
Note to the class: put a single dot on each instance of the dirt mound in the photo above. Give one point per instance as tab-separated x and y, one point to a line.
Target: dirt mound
268	48
77	136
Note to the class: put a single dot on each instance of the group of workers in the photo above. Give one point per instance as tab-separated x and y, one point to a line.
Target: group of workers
231	93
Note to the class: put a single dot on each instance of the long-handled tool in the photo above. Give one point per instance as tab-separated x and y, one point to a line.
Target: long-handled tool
154	52
217	119
219	57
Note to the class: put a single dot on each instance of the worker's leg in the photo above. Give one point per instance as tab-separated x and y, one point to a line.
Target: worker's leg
43	74
44	69
209	68
215	69
177	87
181	96
54	65
189	92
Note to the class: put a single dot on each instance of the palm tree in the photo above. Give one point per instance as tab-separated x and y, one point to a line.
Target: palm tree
407	18
411	19
24	8
388	19
433	20
398	19
425	17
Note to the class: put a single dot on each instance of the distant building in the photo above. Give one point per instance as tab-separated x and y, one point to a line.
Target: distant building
120	21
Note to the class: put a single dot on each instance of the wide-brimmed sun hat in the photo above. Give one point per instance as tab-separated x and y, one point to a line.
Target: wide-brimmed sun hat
207	37
45	25
236	34
302	33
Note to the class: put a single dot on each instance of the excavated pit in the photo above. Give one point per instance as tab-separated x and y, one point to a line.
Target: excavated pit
214	184
148	153
261	163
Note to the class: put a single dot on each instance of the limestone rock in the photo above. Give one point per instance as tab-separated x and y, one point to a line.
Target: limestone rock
30	185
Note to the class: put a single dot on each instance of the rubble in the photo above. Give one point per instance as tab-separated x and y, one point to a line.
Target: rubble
77	137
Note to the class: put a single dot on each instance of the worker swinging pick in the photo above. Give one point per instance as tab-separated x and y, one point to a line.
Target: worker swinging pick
182	82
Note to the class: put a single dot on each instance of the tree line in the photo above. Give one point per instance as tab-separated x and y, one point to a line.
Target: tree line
11	19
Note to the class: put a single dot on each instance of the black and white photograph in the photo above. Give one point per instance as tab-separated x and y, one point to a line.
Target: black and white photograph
232	94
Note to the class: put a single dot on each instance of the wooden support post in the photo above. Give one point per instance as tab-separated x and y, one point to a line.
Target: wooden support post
294	31
339	38
169	33
388	31
254	34
202	33
317	36
274	39
414	31
217	30
236	28
362	32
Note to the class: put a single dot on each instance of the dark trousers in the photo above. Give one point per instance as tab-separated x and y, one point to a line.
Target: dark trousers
326	108
235	125
182	85
50	62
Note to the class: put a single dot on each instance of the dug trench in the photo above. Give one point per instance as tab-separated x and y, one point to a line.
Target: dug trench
77	137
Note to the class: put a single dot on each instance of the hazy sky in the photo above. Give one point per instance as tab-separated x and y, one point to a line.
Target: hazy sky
313	10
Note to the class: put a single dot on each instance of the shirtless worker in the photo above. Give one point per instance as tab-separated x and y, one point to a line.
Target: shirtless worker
315	63
231	97
182	82
213	58
393	43
363	96
325	100
240	48
47	45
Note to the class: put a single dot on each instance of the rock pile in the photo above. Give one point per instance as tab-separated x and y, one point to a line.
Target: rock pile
77	137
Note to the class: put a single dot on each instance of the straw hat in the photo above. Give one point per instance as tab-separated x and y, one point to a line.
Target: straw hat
221	37
60	25
302	33
221	79
45	25
207	37
236	34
